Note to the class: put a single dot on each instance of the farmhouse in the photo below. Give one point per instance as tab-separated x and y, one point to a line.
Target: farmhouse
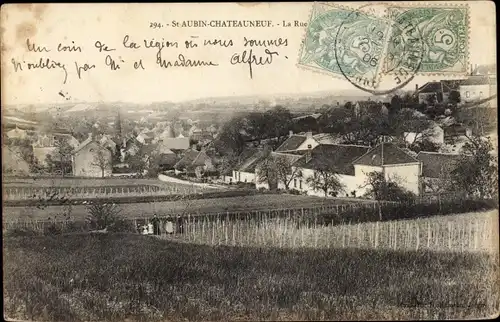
284	159
396	164
297	142
331	158
245	169
195	162
92	159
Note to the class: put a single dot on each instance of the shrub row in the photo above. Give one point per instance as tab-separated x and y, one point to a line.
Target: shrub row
372	213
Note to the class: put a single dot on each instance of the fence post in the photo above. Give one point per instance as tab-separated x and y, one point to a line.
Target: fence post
418	235
449	234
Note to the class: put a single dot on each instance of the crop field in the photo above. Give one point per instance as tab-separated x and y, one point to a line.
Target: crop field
20	189
117	277
79	182
215	205
463	232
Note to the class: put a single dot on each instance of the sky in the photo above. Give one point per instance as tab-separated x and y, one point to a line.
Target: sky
108	24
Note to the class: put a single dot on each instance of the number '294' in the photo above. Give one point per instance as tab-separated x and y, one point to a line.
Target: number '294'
155	25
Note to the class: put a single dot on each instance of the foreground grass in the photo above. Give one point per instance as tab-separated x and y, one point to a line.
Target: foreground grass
117	277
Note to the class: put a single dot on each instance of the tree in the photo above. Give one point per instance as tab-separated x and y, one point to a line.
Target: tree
379	188
424	145
477	169
431	100
454	97
348	105
325	178
61	159
102	160
285	172
231	138
406	123
268	173
396	104
103	215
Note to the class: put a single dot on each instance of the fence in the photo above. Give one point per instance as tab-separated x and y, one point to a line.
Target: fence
28	193
467	233
476	232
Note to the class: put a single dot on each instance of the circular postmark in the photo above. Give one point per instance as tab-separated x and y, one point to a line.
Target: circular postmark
376	50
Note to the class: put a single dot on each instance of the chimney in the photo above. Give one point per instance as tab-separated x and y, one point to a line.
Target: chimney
309	135
416	87
290	133
308	154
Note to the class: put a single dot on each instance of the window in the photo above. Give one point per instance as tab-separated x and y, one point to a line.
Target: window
295	183
300	184
467	94
481	94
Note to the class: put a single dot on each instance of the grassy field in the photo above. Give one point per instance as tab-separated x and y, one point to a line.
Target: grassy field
137	210
464	232
119	276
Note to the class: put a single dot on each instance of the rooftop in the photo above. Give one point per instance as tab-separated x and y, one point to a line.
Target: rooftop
385	154
336	157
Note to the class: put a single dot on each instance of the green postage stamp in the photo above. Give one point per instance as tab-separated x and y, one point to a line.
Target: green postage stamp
445	36
409	40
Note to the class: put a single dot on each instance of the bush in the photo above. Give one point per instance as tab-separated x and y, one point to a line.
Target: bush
52	229
397	211
294	192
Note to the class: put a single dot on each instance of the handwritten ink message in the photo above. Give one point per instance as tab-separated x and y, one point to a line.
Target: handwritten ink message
152	52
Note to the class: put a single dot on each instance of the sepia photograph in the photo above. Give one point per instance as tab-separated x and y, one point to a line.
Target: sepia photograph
266	161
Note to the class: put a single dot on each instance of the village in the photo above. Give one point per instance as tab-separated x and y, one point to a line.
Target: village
415	139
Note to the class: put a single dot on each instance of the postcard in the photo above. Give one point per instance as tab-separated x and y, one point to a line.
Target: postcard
250	161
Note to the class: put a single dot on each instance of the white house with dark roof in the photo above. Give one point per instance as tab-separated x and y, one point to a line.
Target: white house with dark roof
292	157
296	142
339	159
396	164
84	159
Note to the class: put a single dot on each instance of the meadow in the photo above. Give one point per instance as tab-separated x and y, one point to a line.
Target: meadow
214	205
124	276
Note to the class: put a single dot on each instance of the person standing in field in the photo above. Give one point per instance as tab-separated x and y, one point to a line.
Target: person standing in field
169	226
156	225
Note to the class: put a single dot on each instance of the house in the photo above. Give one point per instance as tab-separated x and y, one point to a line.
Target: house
436	169
167	160
339	159
434	133
396	164
178	143
456	132
46	140
248	161
195	162
146	137
430	89
296	142
327	138
92	159
475	88
290	157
